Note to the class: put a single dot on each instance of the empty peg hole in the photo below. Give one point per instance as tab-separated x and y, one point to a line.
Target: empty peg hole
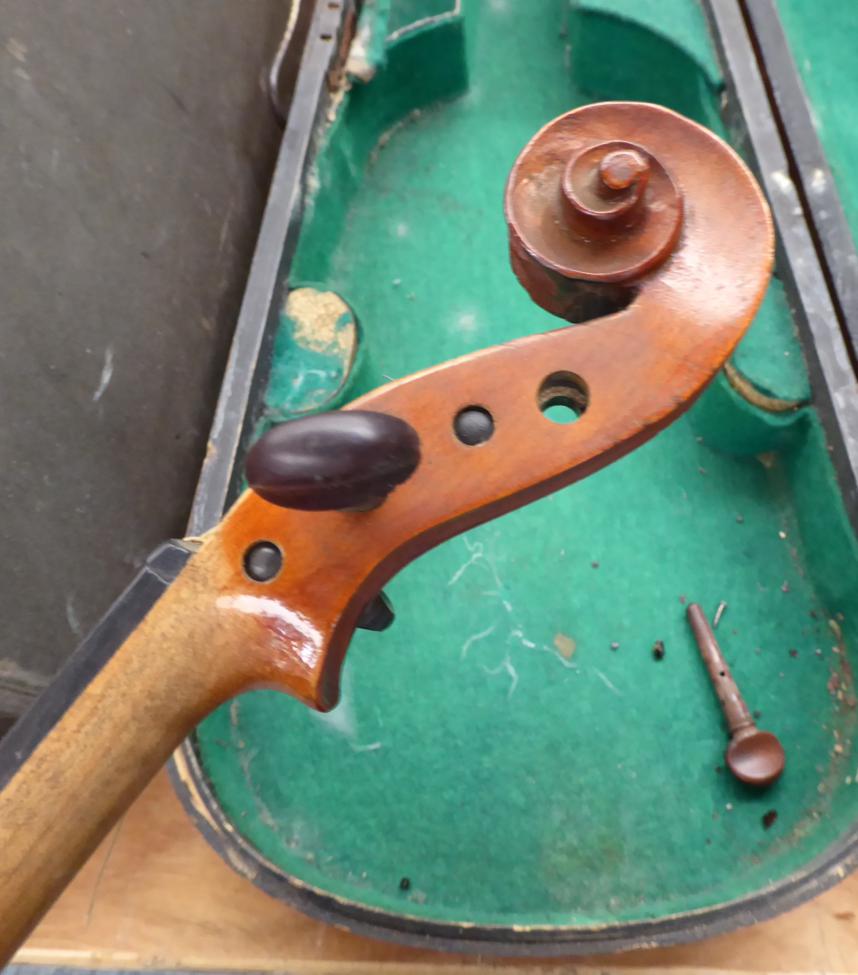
263	561
563	397
473	425
327	37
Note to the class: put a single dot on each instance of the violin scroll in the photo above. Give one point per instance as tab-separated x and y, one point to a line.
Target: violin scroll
583	207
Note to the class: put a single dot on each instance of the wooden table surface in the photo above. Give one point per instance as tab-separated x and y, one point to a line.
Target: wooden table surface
154	895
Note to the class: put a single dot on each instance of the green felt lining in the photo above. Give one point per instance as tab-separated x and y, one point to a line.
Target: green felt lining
492	747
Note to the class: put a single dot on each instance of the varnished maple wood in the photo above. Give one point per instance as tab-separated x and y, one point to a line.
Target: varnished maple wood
195	649
216	631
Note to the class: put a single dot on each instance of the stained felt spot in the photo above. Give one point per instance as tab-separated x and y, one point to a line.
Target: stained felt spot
565	645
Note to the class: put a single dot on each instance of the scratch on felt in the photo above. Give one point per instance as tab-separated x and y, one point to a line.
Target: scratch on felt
518	634
245	760
504	666
373	747
106	374
476	553
568	664
477	556
512	631
606	682
466	646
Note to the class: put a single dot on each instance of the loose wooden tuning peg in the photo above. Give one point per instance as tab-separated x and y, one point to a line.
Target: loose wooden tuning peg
344	460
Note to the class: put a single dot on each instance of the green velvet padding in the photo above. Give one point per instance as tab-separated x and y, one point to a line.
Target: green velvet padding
511	746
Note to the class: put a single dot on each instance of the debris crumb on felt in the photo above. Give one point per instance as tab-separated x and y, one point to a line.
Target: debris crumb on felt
769	818
718	614
658	650
565	645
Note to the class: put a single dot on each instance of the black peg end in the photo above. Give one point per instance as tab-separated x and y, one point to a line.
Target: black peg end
377	615
345	460
263	561
473	425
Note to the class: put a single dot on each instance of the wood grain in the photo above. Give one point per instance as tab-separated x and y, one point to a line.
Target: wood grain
156	896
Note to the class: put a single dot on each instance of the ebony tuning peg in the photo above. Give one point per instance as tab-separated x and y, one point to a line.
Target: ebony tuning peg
344	460
377	615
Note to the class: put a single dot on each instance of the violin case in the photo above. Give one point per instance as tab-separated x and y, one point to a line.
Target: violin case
511	768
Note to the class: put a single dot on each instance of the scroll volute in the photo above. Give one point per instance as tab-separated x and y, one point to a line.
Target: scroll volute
648	216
